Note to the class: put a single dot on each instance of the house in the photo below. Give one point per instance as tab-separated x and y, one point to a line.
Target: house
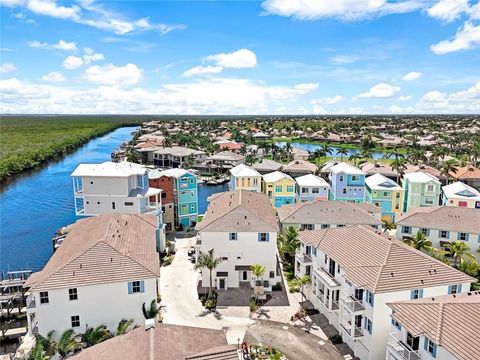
379	168
325	170
469	175
266	166
421	190
106	267
299	154
442	224
409	168
246	178
460	194
355	272
311	187
159	180
441	327
228	145
241	227
315	215
155	341
385	194
113	187
185	195
279	187
299	167
260	136
177	156
347	183
225	160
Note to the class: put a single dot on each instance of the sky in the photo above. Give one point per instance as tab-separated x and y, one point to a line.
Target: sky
240	57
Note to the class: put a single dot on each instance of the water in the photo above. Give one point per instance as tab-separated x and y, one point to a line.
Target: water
204	191
313	147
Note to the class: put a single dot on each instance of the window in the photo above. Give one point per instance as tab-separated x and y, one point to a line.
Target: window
430	347
290	188
72	294
304	190
315	190
192	207
191	181
370	297
272	274
43	297
135	287
355	178
430	188
113	205
396	324
340	178
385	194
428	201
443	234
75	321
416	294
263	237
164	195
368	325
412	341
326	258
314	250
455	289
278	188
407	229
324	226
233	236
128	203
425	232
344	191
463	236
307	226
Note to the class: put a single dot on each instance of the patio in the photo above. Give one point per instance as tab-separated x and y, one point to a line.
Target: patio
242	295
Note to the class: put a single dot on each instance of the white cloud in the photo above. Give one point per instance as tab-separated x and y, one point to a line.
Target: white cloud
305	87
475	12
201	70
338	9
52	9
90	57
72	62
405	98
448	10
54	77
110	74
469	94
413	75
242	58
7	67
60	45
467	37
343	59
327	100
382	90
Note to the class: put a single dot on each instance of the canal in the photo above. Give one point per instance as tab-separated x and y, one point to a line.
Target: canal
313	147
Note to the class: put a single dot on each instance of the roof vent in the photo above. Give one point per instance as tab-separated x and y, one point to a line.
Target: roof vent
149	324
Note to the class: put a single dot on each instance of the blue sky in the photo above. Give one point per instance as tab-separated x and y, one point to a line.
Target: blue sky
240	57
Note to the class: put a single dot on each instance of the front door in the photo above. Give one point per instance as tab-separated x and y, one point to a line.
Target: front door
221	285
245	276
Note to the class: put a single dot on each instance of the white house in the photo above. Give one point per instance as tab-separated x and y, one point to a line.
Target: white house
241	227
311	187
355	272
246	178
442	224
113	187
443	328
461	194
104	270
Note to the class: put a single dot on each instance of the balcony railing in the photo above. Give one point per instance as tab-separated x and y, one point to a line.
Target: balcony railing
303	258
396	346
31	302
350	303
357	331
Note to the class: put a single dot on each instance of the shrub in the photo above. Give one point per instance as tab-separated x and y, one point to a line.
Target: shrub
253	305
336	339
210	304
277	287
167	260
293	286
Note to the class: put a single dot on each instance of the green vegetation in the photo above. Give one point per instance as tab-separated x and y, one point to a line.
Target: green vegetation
27	141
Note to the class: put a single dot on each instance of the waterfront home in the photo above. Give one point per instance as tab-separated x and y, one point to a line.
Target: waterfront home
460	194
225	160
113	187
442	224
185	196
441	327
155	341
279	187
315	215
347	183
266	166
260	136
421	190
299	167
177	156
379	168
469	175
355	272
240	226
385	194
228	145
311	187
104	270
157	179
246	178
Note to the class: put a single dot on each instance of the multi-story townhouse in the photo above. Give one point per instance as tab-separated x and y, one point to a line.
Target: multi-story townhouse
185	195
311	187
104	270
347	183
442	224
157	179
299	167
113	187
379	168
225	160
246	178
315	215
279	187
442	327
355	272
469	175
461	194
177	156
241	227
385	194
421	190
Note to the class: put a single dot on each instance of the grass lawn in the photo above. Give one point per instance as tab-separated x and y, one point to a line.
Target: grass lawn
27	141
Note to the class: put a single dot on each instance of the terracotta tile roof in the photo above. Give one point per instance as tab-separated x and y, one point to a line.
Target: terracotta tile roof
381	265
300	166
426	169
451	321
267	165
239	211
450	218
102	249
164	342
378	168
328	212
466	173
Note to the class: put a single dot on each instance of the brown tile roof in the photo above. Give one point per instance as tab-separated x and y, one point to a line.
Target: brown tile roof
381	265
300	166
378	168
426	169
102	249
239	211
451	321
164	342
449	218
267	165
328	212
466	173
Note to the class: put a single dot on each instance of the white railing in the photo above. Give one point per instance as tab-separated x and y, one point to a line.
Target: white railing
31	302
396	345
357	331
351	303
302	257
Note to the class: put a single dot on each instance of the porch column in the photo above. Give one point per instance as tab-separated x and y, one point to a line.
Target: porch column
29	324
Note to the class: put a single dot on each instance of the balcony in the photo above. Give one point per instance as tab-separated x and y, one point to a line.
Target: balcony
327	278
396	346
351	304
31	304
354	332
303	258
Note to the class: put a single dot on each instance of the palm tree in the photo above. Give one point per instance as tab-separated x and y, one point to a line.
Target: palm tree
167	141
301	281
124	326
257	271
388	225
209	261
38	352
448	167
45	347
288	242
469	268
325	149
459	251
288	150
354	157
68	343
342	152
419	241
399	165
152	311
94	336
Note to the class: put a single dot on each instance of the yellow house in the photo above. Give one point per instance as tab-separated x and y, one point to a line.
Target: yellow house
279	187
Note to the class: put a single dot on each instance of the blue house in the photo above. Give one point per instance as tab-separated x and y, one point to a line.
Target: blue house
347	183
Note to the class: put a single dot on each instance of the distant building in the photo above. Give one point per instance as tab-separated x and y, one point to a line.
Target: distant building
113	187
245	178
175	157
382	169
279	187
461	194
311	187
469	175
226	160
385	194
266	166
421	190
299	167
347	183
